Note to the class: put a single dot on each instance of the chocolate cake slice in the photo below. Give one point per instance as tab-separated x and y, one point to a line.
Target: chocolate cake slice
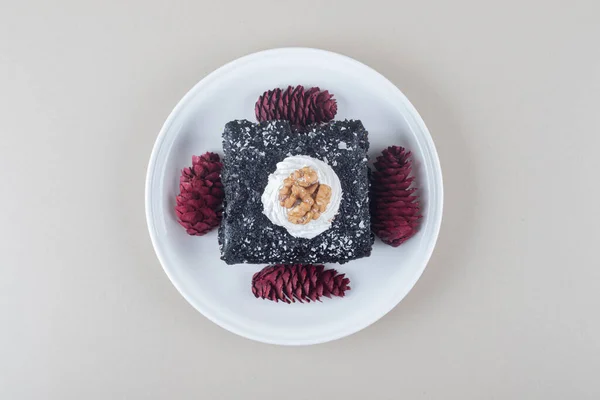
252	152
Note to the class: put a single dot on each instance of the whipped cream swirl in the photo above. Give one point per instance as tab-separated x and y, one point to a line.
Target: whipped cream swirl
279	214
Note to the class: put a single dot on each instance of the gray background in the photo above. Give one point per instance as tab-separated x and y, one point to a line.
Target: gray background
508	306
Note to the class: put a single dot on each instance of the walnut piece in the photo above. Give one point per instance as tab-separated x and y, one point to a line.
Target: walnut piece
305	176
304	196
323	197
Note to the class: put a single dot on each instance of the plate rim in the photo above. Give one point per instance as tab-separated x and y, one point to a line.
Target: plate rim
429	148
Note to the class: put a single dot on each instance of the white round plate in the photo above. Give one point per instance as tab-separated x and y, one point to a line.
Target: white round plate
223	292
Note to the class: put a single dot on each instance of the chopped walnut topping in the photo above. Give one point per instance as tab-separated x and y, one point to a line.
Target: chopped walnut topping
304	196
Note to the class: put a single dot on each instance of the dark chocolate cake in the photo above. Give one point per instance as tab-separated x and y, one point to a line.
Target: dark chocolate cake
251	153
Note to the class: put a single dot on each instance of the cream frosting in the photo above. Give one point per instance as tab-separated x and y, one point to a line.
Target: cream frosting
278	214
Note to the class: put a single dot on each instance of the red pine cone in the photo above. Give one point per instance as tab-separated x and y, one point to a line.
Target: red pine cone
300	107
394	206
201	193
293	282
